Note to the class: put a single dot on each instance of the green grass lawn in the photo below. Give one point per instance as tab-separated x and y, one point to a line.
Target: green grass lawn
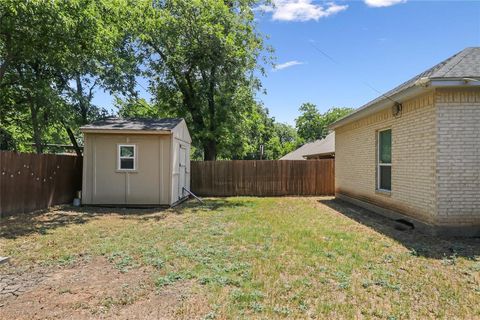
266	257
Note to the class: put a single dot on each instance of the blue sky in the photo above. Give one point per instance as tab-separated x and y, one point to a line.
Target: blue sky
378	43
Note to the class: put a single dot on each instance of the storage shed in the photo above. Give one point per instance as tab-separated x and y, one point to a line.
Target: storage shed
135	161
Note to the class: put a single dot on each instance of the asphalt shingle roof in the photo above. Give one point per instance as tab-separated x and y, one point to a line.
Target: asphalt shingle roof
113	123
317	147
465	64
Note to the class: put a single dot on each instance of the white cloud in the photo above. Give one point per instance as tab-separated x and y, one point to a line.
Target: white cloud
301	10
383	3
287	64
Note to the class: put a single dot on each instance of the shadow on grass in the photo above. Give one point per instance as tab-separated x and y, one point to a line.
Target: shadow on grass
213	204
40	222
418	243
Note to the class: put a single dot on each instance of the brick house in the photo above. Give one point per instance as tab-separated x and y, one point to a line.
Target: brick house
414	153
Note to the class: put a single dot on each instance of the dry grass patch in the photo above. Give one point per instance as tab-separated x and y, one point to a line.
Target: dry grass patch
239	258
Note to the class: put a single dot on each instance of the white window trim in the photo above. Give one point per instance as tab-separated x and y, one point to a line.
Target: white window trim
379	164
119	157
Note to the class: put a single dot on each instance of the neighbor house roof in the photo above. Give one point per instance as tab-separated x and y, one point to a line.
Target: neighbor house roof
134	124
325	146
296	154
317	147
461	69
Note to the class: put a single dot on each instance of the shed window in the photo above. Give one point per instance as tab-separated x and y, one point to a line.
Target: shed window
126	157
384	169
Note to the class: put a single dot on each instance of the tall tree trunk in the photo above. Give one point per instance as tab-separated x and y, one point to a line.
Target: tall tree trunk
3	70
81	100
210	150
73	141
37	132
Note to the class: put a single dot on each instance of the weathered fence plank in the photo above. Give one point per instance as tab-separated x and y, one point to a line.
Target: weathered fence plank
263	177
36	181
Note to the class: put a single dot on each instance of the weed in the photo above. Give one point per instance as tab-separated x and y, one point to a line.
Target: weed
122	261
450	260
66	259
210	316
257	307
169	279
386	284
64	290
282	310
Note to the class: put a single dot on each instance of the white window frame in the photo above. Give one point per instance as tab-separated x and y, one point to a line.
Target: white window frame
379	164
119	157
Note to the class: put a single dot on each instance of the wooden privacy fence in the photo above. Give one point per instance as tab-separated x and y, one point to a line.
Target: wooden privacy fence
36	181
263	177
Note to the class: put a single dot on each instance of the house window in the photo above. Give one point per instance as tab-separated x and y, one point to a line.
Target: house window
384	169
126	157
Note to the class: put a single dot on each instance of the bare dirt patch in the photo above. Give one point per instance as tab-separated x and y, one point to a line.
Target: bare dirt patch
95	289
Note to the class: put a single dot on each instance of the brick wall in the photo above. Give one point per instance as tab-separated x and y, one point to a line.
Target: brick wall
413	159
458	159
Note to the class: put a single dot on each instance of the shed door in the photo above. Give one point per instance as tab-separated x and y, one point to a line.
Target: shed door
182	182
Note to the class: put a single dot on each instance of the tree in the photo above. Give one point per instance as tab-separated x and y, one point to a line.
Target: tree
332	115
201	56
137	108
28	43
6	140
288	138
309	123
54	54
312	125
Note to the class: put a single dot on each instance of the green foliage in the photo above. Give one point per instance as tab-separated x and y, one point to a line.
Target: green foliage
308	123
138	108
53	55
257	129
312	125
201	58
334	114
169	279
6	140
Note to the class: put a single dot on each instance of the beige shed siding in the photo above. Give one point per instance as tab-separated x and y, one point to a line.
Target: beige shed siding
176	192
458	168
180	137
104	184
181	133
413	158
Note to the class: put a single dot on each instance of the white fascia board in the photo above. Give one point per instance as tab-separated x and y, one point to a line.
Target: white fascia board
465	82
381	105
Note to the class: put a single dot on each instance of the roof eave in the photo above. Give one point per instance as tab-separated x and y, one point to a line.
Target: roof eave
379	106
319	154
455	82
422	86
124	131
